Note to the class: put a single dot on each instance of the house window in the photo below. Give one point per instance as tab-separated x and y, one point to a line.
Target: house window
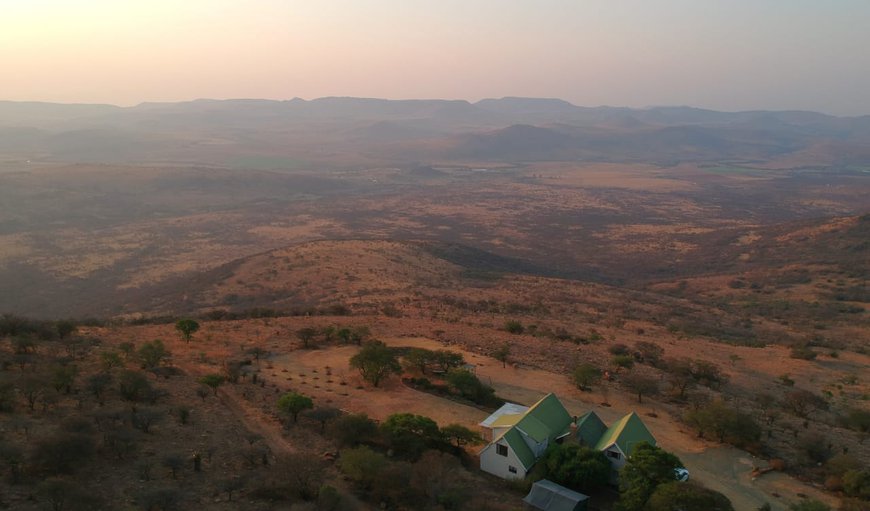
613	454
501	449
512	469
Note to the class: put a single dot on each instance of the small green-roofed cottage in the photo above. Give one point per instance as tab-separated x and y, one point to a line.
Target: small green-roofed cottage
514	450
621	438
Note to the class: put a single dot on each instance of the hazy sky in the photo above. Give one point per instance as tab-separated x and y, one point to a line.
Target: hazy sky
724	54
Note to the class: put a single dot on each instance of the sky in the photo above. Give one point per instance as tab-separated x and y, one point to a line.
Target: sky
720	54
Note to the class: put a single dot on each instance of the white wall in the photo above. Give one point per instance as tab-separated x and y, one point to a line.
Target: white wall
494	463
616	464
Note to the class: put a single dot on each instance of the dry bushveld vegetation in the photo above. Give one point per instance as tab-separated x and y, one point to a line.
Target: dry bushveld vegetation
714	282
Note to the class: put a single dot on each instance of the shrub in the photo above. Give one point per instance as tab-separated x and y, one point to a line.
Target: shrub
353	429
687	497
809	505
618	349
803	352
470	387
623	361
362	465
650	353
514	327
134	386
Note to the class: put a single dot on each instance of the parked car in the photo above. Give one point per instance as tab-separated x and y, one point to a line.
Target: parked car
681	474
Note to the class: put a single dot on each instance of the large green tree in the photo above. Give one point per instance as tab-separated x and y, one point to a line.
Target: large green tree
647	468
375	361
576	467
409	435
293	403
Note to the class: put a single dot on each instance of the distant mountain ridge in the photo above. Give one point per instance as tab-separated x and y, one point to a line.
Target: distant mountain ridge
510	128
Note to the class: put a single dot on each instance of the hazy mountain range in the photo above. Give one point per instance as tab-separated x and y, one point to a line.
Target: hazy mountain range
508	129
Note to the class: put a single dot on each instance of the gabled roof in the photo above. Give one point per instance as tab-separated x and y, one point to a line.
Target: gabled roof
590	429
626	433
506	421
512	409
514	439
549	496
546	419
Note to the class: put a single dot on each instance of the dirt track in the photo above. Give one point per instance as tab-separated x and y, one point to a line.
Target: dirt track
255	421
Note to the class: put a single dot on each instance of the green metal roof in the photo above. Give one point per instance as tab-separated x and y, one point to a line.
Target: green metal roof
515	440
590	429
626	433
546	419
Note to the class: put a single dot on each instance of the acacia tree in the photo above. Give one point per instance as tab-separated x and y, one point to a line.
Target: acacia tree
187	327
306	335
375	361
447	359
724	422
323	415
213	381
359	334
293	403
65	328
641	385
502	354
584	375
152	354
419	358
680	375
460	435
344	334
801	402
